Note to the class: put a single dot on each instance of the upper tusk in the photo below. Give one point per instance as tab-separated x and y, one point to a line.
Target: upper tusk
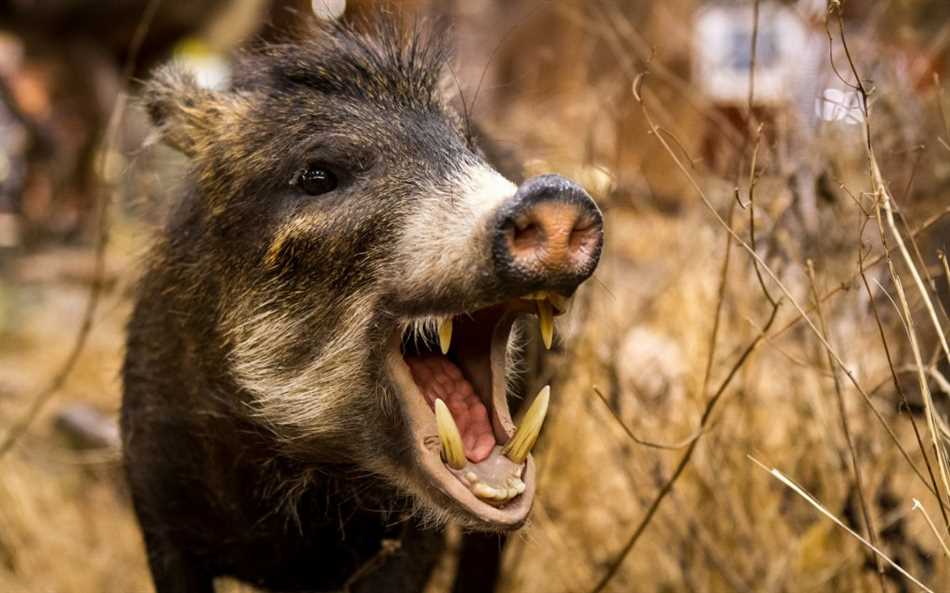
546	316
445	334
526	436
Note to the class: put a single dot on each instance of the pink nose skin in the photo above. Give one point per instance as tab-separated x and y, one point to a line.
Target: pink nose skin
548	236
554	238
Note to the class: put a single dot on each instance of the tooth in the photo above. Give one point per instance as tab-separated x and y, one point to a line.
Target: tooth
546	316
452	448
483	490
445	334
515	485
520	445
559	302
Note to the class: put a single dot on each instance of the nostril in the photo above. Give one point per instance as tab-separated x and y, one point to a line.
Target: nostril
552	231
584	223
527	234
549	234
583	232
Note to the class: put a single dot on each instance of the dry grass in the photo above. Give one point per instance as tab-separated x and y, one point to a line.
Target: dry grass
645	334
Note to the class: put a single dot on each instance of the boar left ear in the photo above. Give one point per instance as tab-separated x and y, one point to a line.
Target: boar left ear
187	115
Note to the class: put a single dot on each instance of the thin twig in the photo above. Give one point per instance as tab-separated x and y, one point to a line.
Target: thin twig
470	110
919	507
753	179
884	205
652	445
387	549
884	195
884	202
845	427
824	511
943	115
946	267
868	264
752	56
720	301
934	489
748	248
921	262
636	90
684	460
617	28
110	140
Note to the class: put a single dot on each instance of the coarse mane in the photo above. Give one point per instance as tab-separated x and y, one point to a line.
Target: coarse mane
391	62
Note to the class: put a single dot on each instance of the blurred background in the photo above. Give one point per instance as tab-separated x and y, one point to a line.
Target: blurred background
707	131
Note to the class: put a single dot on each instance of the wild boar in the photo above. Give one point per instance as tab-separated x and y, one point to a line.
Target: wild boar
319	353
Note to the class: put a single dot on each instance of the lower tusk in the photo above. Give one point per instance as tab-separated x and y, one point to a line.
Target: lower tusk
526	436
546	316
449	436
445	334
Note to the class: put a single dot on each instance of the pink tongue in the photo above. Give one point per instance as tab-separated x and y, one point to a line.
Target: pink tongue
438	378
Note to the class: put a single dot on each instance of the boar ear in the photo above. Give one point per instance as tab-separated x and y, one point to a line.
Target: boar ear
186	115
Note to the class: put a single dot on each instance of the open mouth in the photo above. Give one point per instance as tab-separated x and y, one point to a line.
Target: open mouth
451	374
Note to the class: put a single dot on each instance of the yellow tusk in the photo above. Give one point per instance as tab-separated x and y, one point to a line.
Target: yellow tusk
526	436
445	334
452	448
546	317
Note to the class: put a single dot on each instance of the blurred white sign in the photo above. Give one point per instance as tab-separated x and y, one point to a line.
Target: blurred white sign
723	52
838	105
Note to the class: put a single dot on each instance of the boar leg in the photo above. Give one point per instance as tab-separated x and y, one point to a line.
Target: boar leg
479	563
405	567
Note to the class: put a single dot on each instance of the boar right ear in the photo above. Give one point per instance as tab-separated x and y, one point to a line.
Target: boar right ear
186	115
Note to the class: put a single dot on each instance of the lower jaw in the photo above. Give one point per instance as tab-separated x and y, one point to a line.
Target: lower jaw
443	486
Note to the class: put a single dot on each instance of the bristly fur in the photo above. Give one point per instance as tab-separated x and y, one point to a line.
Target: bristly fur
423	332
259	414
386	61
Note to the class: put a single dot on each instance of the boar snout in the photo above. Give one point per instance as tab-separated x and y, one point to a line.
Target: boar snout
549	235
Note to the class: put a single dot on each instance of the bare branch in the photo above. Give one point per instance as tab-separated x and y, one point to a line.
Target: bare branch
109	142
684	460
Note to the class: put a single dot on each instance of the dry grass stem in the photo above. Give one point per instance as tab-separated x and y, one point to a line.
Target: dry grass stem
884	203
932	485
845	426
920	507
684	460
643	442
109	144
824	511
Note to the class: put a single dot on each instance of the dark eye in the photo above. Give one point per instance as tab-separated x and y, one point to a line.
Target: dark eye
316	180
